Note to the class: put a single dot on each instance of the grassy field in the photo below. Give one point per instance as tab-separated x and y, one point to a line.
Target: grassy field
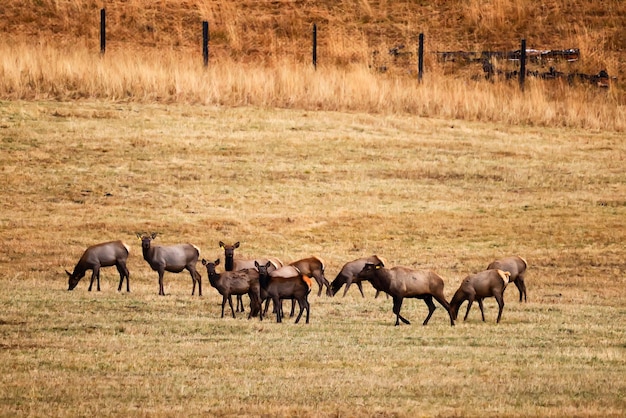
428	193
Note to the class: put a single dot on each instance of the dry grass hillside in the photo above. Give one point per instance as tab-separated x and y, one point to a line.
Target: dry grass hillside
349	31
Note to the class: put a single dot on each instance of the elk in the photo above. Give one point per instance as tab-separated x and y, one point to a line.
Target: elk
238	282
488	283
314	267
232	264
517	267
404	282
106	254
349	273
295	287
172	258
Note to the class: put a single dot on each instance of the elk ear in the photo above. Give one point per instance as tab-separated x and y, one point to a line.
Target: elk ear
154	235
68	273
256	264
217	262
139	235
236	244
204	262
222	245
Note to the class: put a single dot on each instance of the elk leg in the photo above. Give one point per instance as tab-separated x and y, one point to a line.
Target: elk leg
443	302
161	291
482	310
276	301
360	286
397	305
123	271
95	274
431	308
293	308
239	304
521	287
470	300
348	283
230	302
500	301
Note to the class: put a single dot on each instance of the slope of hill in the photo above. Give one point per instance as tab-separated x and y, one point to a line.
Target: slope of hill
349	30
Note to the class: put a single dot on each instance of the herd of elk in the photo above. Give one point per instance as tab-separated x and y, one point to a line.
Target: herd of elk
263	279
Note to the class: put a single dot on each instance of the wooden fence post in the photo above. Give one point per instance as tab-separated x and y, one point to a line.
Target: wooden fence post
103	41
315	46
205	42
522	65
420	58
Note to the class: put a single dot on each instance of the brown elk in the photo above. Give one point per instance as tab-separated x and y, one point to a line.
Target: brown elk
172	258
404	282
517	267
349	274
106	254
237	283
488	283
314	267
296	287
233	264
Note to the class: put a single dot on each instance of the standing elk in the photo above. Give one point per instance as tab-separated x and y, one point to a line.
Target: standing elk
349	274
238	283
314	267
297	287
488	283
517	267
403	282
172	258
233	264
106	254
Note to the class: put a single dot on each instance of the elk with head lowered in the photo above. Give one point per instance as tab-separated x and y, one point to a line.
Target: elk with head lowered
106	254
488	283
349	274
234	264
172	258
404	282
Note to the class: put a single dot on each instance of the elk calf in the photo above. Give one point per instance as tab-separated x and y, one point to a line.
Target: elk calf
238	283
517	267
488	283
296	287
403	282
173	258
106	254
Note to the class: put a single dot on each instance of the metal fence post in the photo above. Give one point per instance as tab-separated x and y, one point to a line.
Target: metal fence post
420	58
522	65
205	43
315	46
103	41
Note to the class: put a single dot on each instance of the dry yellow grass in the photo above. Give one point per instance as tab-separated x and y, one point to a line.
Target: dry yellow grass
421	192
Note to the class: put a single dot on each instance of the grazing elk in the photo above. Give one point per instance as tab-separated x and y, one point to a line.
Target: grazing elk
295	287
172	258
238	282
314	267
517	267
488	283
106	254
403	282
232	264
350	271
